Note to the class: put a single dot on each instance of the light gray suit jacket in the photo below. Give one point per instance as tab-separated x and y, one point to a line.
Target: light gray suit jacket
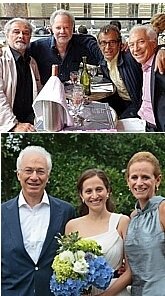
8	84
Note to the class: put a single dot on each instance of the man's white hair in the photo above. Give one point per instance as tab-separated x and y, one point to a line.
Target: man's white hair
38	150
148	29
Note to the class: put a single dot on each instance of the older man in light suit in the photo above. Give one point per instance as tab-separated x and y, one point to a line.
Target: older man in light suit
30	223
19	79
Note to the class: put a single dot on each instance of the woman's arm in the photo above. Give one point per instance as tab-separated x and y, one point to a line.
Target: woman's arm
125	279
162	214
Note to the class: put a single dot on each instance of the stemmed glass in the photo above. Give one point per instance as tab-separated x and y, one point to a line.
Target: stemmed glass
74	77
93	71
76	103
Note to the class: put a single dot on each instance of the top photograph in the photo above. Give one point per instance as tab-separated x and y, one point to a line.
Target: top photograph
82	67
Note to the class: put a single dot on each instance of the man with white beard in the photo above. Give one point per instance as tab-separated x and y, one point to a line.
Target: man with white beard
19	79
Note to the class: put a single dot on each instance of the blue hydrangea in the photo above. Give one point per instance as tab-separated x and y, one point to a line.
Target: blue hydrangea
99	276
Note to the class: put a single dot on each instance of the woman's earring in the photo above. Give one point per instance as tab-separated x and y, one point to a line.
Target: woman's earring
83	200
157	188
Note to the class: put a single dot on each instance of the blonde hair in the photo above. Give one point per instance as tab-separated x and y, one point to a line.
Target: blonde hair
158	22
144	156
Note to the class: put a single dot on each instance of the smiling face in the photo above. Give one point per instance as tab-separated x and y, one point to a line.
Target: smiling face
18	36
141	47
109	44
142	181
33	176
94	193
62	29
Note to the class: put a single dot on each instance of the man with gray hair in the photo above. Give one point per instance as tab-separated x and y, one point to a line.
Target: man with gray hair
30	224
64	47
19	79
143	45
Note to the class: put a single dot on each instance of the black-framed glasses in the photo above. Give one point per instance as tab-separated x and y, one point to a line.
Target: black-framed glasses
111	43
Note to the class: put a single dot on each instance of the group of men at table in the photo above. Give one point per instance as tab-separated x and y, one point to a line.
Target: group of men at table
25	67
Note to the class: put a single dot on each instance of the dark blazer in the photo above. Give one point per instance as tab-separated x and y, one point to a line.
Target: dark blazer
20	275
132	76
158	98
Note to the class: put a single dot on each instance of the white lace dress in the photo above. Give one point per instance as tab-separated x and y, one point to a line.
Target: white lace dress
112	247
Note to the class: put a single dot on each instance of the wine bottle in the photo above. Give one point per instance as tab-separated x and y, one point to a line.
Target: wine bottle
85	78
54	70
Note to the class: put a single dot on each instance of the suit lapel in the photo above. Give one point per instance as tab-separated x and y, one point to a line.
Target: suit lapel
15	227
152	83
14	223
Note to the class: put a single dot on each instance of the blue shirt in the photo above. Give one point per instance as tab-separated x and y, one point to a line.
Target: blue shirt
45	52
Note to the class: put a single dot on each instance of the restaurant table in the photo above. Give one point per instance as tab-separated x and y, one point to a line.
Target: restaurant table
94	117
100	89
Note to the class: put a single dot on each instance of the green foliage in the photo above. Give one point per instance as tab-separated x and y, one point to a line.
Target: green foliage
74	153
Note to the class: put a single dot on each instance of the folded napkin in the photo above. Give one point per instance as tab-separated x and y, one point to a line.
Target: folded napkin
102	87
50	106
131	125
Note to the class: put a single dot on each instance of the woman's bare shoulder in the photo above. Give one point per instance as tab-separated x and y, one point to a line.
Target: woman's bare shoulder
72	225
124	219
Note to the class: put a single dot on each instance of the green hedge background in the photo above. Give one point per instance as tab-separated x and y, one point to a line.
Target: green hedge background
73	153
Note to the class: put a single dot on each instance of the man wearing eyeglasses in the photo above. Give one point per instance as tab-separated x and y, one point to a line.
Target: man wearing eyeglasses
120	67
30	223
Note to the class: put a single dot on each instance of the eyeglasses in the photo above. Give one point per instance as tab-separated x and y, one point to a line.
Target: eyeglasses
111	43
30	171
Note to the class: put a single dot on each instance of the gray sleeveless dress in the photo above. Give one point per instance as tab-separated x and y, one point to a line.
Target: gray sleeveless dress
145	250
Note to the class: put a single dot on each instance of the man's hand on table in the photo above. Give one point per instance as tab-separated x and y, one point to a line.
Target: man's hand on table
23	127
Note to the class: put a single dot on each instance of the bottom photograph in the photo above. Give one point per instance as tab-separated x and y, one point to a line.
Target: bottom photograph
82	214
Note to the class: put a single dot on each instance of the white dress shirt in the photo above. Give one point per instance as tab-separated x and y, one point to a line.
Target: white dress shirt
34	224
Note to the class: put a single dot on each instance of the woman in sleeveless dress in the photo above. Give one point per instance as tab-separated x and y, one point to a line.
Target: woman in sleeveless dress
145	239
99	222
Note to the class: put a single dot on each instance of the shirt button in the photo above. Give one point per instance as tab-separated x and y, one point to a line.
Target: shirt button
36	268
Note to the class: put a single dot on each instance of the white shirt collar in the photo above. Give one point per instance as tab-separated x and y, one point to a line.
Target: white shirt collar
22	201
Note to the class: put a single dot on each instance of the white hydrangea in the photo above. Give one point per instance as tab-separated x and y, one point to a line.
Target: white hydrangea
79	255
81	266
67	256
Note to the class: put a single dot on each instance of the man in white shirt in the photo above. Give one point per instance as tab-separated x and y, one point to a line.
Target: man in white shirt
30	223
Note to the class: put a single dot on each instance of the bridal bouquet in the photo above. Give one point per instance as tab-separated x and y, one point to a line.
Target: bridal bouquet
78	266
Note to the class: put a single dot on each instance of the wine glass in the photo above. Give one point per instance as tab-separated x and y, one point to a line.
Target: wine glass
76	102
74	77
93	72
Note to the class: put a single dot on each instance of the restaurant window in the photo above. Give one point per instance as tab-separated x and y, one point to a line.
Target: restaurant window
133	10
64	6
87	9
108	10
154	9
